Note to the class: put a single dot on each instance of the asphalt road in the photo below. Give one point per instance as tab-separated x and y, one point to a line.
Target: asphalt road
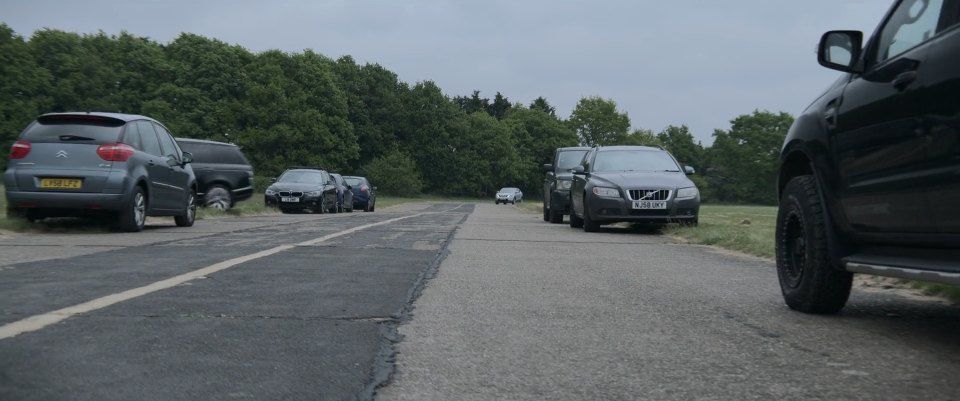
440	301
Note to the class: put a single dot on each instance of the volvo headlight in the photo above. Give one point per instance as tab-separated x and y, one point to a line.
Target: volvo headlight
270	192
564	184
606	192
312	193
687	193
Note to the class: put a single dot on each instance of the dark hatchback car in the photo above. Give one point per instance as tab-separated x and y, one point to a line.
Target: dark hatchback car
364	195
224	176
868	181
85	164
556	184
303	188
631	183
344	194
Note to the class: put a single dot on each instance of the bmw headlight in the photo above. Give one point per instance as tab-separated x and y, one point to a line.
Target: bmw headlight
312	193
606	192
564	184
270	192
687	193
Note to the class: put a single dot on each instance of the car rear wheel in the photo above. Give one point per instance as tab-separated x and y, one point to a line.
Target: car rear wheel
133	217
218	197
809	281
189	213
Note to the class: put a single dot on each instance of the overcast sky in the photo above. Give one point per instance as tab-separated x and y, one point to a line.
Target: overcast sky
694	62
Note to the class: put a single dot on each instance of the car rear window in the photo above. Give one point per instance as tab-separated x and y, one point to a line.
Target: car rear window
74	129
354	181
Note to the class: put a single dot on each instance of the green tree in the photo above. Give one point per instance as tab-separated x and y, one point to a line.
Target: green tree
472	104
597	122
394	173
742	163
537	135
541	104
500	106
679	141
23	86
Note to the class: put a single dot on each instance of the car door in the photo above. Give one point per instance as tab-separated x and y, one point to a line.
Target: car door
941	123
180	174
158	173
579	183
875	131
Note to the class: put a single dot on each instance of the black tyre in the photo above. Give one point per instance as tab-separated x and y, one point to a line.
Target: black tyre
808	280
132	218
321	207
546	212
373	206
218	197
189	213
575	221
589	225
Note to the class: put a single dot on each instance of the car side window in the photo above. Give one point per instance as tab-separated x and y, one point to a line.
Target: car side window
912	23
167	143
148	137
131	136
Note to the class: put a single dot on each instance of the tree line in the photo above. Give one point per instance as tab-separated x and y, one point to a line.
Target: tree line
305	108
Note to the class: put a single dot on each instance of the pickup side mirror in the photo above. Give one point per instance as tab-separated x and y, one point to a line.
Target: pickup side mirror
840	50
546	167
578	170
689	170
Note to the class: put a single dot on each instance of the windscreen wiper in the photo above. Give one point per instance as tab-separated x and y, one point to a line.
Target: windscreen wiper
74	138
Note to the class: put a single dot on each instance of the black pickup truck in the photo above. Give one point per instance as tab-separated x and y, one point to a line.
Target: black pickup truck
869	180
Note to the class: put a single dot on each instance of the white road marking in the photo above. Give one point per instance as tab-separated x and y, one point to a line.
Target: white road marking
40	321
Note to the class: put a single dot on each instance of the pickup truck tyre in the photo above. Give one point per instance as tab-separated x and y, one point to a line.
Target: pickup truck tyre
807	279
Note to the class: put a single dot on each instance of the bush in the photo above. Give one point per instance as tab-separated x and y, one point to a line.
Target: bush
394	174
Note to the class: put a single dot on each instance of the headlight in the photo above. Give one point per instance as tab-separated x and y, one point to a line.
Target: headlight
270	192
606	192
564	184
687	193
312	193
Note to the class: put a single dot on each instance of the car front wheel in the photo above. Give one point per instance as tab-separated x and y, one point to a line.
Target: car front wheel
189	213
575	221
218	197
589	224
809	281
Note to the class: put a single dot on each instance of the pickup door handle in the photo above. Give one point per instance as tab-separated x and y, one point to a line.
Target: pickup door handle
904	79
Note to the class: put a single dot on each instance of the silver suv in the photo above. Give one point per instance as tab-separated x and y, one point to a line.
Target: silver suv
83	164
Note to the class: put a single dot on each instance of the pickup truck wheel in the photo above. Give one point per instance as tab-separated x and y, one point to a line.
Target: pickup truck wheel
807	279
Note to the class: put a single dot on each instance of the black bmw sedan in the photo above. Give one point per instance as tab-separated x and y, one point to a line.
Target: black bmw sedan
300	189
631	183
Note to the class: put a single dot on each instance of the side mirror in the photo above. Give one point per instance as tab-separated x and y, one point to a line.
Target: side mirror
689	170
187	157
546	167
578	170
374	188
274	179
840	50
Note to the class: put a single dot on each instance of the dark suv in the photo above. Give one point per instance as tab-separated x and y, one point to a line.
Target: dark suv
84	164
556	183
224	176
868	177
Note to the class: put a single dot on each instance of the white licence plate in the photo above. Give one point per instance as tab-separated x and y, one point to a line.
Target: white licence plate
289	199
649	204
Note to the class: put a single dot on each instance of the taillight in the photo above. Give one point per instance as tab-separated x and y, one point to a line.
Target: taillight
19	150
115	152
363	188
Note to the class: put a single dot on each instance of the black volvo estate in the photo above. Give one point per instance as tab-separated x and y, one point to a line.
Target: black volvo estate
869	180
